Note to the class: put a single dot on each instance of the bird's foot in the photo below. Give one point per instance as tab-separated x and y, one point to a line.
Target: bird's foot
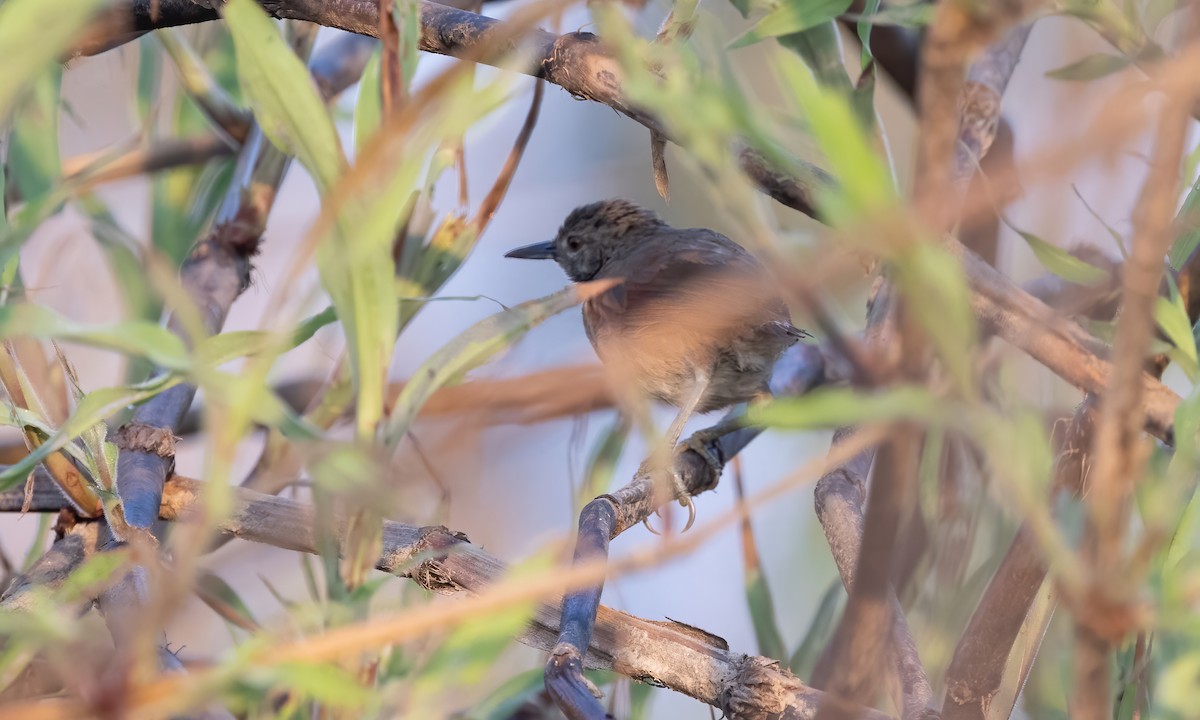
699	444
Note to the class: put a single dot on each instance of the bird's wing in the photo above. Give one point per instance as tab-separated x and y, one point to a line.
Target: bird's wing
696	282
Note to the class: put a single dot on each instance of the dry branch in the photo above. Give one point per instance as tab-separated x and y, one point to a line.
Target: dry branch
676	656
576	62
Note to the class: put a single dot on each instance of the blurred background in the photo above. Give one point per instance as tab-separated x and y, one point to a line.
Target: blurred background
512	489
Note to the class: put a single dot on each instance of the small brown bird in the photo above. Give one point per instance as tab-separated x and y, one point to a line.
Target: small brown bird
696	323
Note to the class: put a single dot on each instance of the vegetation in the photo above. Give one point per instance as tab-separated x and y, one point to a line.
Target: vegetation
1003	556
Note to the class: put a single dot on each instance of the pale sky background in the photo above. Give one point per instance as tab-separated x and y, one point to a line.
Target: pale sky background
510	487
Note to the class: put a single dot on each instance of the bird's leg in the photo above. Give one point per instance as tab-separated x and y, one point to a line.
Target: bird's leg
702	442
686	410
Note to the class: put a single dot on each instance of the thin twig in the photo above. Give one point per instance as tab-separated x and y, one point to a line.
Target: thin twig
487	209
1119	452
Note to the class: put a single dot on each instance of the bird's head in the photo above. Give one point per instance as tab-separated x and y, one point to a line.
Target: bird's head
591	236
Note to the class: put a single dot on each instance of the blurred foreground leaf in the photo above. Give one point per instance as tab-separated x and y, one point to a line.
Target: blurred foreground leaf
475	346
34	34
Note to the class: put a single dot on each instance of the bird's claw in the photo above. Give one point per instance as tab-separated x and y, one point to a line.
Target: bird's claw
681	494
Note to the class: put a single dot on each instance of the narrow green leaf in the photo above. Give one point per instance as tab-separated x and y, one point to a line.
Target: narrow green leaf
821	49
215	585
1112	233
94	572
326	683
933	284
1092	67
507	699
33	35
1060	262
914	15
863	28
149	76
38	546
472	649
93	408
762	615
33	154
864	183
1172	318
281	92
1187	227
136	337
792	16
122	251
835	407
475	346
820	630
369	108
597	476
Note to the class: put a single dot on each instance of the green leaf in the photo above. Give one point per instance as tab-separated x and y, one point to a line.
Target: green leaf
33	35
821	49
597	476
324	683
93	573
93	408
864	183
149	76
504	702
1112	233
38	546
369	108
753	7
914	15
473	648
281	93
217	587
1172	318
122	251
863	29
1187	224
1059	261
1178	685
792	16
835	407
762	615
136	337
820	630
475	346
1092	67
33	153
933	284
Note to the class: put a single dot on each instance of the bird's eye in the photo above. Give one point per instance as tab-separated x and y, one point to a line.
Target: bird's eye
572	245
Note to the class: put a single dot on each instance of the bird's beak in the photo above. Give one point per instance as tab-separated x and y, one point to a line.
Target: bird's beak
536	251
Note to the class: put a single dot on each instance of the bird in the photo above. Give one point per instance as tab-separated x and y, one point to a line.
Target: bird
696	322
